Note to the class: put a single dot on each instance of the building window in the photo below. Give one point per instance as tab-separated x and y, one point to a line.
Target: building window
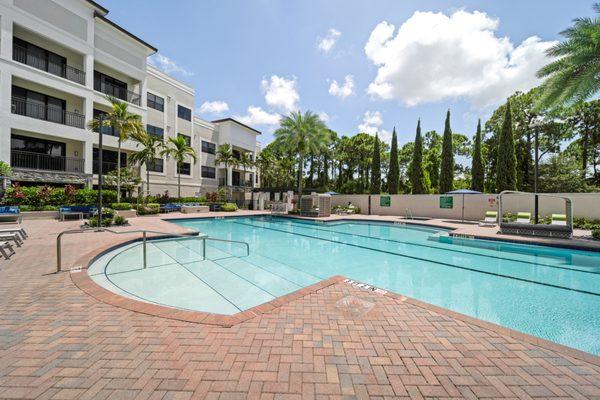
156	102
155	131
109	160
106	130
209	172
208	147
30	54
185	169
156	165
188	139
184	113
37	105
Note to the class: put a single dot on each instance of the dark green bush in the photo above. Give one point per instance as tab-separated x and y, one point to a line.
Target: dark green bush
120	220
596	232
121	206
93	222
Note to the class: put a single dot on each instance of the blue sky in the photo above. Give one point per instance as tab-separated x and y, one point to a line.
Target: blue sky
404	60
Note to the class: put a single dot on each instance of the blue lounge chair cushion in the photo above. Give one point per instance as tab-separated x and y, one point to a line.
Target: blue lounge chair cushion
9	210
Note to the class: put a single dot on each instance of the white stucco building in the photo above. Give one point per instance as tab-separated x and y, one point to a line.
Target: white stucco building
58	61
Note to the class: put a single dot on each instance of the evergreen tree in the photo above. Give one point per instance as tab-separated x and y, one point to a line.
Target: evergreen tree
506	169
394	172
416	174
447	164
376	169
477	174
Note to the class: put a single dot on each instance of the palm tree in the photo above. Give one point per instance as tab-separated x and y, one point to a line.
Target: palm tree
302	134
122	121
575	75
225	156
150	148
245	162
179	149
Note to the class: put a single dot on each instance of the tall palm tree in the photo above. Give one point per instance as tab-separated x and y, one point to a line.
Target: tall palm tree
302	134
225	156
122	121
245	162
179	150
150	149
575	75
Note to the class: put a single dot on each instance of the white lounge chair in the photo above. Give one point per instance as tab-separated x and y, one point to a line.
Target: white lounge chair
15	237
18	230
523	218
559	219
6	250
491	219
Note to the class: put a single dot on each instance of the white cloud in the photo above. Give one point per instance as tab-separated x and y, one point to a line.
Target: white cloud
324	116
434	56
326	44
281	93
343	91
167	65
257	116
371	124
213	107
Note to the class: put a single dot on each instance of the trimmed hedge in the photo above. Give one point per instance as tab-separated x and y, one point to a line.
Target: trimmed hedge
40	197
229	207
121	206
148	209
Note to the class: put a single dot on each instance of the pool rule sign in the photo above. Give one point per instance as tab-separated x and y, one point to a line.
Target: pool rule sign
385	201
446	202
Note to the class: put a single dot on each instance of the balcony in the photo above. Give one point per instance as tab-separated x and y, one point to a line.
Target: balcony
45	162
118	92
47	113
23	55
107	166
236	183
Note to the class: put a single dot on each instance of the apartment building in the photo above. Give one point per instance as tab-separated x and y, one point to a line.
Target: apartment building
58	61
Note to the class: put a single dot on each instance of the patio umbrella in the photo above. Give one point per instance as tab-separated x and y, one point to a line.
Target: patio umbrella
463	192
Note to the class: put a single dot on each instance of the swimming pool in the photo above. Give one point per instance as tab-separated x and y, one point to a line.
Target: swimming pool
551	293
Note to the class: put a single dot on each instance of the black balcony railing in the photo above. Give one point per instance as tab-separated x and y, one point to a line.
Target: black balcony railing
236	183
22	55
117	91
45	162
47	113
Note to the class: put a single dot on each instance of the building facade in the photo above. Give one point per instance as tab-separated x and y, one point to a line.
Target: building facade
58	62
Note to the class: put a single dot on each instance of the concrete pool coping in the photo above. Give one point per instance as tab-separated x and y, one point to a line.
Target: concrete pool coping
85	283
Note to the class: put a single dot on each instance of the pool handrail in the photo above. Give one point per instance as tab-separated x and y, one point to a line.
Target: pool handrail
144	233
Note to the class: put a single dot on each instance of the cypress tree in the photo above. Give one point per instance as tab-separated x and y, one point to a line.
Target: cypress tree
394	172
506	172
477	172
447	164
376	169
417	178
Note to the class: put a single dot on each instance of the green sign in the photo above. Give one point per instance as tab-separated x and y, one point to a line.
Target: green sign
385	201
446	201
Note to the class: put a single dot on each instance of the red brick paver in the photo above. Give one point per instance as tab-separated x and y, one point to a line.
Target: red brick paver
57	342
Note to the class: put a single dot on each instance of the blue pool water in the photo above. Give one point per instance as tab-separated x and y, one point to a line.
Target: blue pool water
548	292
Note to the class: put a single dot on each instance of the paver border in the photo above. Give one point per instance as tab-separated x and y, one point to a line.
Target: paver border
84	282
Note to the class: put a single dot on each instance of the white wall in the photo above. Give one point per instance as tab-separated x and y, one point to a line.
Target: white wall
584	205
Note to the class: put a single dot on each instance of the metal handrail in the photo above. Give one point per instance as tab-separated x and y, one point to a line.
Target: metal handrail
144	233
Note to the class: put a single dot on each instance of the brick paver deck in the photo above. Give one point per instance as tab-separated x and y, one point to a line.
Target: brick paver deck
57	342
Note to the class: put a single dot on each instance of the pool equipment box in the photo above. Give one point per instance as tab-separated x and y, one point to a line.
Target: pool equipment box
385	201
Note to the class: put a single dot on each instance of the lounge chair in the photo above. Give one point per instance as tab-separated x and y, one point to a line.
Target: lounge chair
17	229
170	207
15	237
559	219
6	250
491	219
523	218
10	214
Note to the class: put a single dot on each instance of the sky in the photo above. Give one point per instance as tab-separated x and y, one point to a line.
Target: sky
363	66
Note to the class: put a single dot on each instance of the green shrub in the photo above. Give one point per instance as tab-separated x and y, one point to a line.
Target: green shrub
120	220
596	232
148	209
93	222
190	200
50	208
121	206
229	207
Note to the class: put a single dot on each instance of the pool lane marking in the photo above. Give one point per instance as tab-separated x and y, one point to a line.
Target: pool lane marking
446	249
430	261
